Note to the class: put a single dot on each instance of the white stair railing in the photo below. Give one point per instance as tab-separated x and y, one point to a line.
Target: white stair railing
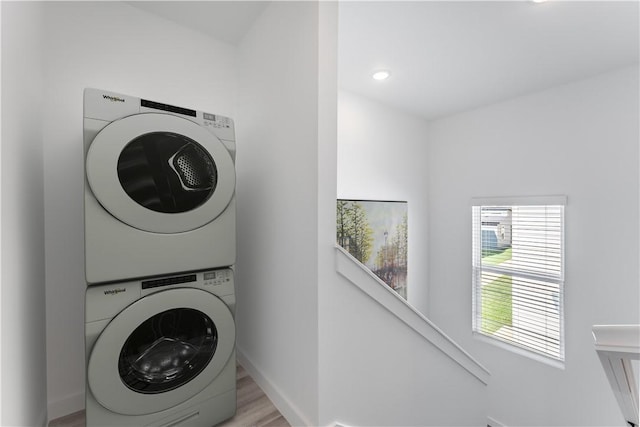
359	275
618	347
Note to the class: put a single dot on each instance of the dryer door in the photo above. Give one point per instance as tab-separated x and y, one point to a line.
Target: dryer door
160	351
160	173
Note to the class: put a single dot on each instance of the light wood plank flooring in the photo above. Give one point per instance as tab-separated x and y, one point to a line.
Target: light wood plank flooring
254	409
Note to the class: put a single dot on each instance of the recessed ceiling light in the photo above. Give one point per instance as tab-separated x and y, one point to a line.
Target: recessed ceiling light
381	75
538	1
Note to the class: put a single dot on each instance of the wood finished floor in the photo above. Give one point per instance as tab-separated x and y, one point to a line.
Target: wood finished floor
254	409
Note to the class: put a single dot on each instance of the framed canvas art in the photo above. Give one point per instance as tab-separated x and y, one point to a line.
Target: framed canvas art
375	233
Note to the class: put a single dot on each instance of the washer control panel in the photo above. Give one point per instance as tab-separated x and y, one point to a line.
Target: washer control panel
219	122
217	277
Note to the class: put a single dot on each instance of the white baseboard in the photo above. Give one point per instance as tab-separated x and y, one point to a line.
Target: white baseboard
291	412
75	402
65	406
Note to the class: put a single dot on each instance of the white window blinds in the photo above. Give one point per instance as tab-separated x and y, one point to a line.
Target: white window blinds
518	273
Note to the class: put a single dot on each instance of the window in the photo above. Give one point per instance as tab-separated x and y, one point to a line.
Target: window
518	273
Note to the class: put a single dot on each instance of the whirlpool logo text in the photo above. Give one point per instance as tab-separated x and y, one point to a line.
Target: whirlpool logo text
114	291
113	98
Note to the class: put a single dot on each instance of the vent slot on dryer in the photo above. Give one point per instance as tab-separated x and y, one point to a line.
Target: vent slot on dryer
167	107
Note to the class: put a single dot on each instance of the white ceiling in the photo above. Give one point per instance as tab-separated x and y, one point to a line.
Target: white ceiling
227	21
451	56
447	57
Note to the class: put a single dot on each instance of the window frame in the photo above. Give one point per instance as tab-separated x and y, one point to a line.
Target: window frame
558	359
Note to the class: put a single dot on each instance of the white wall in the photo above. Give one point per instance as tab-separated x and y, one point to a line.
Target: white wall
111	46
277	280
382	155
375	370
23	263
579	140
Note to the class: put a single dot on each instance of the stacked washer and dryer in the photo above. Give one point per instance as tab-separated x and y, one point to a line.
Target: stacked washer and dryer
160	244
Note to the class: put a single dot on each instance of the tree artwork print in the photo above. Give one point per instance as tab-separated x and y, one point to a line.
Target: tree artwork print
375	233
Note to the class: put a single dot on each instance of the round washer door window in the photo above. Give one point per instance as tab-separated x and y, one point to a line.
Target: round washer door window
160	173
158	353
167	350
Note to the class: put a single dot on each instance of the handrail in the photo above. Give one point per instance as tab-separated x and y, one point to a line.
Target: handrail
617	346
363	278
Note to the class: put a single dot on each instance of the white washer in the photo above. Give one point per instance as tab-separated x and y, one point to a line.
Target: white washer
161	352
159	188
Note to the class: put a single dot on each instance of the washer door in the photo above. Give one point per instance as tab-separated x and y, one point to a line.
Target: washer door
160	173
160	351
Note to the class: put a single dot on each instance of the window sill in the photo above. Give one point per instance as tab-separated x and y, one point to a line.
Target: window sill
520	351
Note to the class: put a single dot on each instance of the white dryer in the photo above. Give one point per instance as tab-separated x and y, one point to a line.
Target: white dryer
159	188
161	352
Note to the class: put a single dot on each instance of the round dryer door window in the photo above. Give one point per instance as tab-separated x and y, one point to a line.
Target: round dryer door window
167	172
160	351
160	173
